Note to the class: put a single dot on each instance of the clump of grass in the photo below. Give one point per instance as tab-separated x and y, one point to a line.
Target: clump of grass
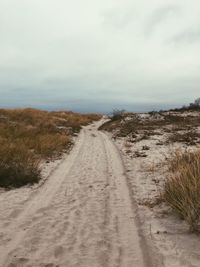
18	166
182	188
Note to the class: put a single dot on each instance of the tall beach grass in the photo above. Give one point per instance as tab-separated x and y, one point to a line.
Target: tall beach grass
182	188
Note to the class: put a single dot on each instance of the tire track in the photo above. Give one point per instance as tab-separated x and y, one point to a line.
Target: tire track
82	216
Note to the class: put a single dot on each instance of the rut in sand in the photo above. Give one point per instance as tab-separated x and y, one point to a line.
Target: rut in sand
81	216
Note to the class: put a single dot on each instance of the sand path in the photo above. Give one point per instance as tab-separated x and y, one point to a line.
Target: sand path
81	216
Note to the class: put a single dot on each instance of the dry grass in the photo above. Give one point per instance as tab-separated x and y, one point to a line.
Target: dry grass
29	135
182	188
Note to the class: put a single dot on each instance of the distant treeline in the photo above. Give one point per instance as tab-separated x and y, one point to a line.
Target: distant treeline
191	107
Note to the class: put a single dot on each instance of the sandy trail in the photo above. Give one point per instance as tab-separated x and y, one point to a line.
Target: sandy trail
81	216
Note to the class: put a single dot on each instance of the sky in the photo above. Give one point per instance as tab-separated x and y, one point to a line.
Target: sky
99	55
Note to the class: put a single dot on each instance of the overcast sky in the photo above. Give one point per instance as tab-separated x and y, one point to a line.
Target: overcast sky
97	55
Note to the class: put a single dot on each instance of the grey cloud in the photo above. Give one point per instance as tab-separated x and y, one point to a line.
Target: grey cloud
160	15
94	54
187	36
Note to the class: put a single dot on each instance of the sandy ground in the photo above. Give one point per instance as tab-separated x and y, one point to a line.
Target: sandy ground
83	215
165	233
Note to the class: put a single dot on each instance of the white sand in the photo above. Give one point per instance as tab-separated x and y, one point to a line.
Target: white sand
83	215
168	237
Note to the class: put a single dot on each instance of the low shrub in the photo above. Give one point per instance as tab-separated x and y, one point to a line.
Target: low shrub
18	166
188	137
117	114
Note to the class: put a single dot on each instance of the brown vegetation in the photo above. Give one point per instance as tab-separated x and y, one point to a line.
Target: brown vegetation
18	165
188	137
28	135
180	127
